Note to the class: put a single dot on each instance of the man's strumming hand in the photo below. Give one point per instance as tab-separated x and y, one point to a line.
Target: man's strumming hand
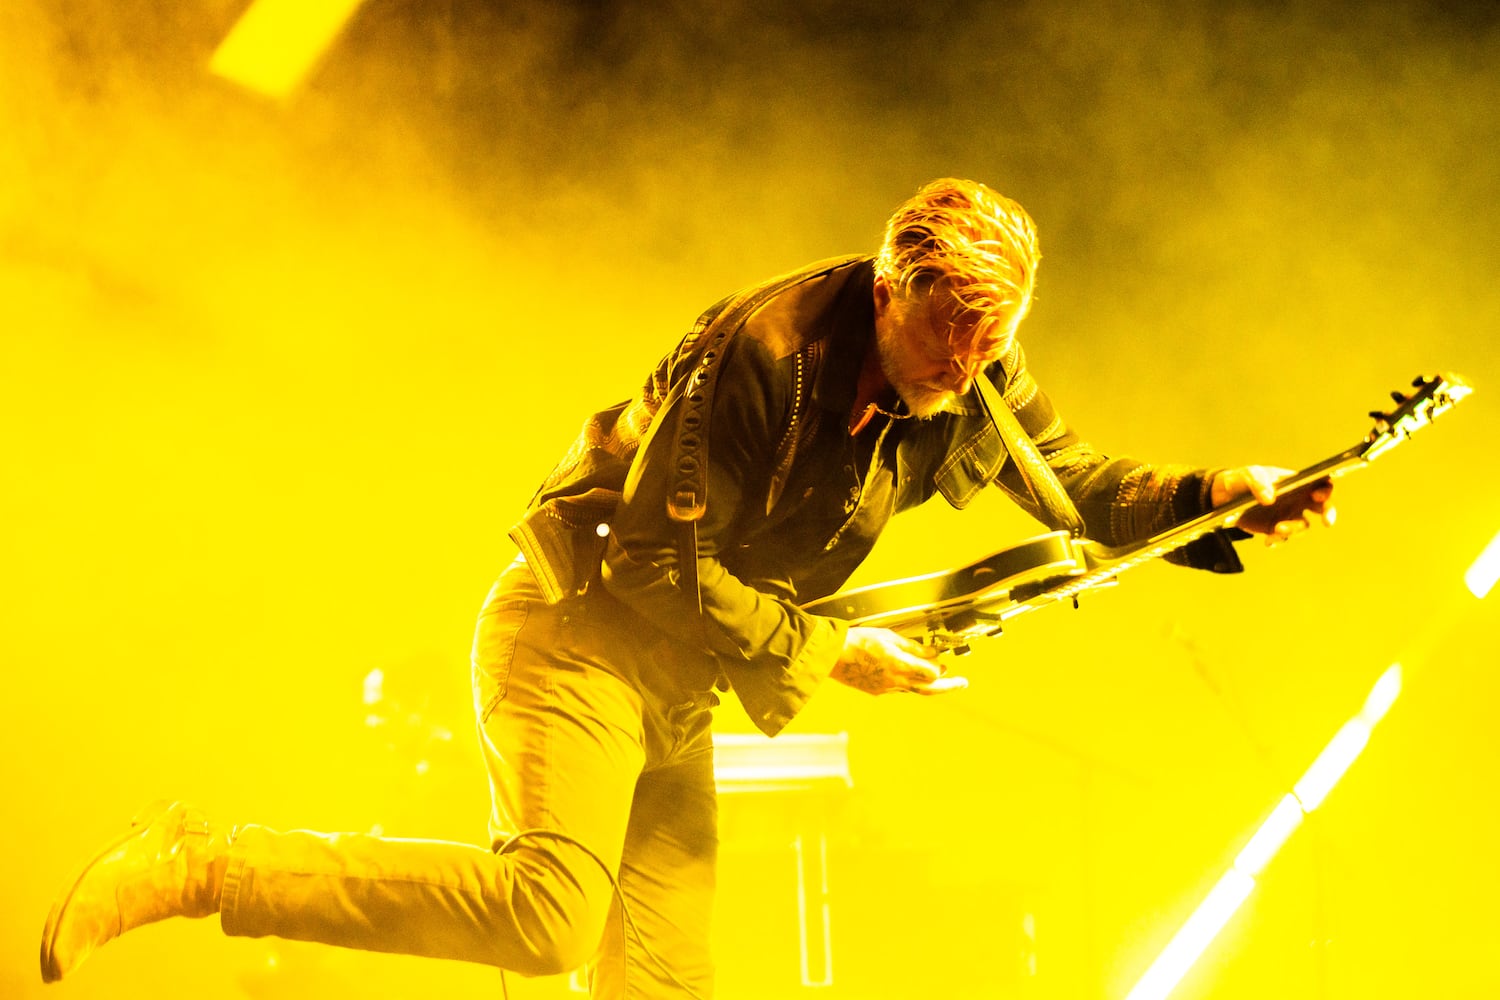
879	661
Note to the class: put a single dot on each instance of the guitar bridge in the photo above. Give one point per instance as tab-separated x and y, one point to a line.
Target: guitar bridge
953	633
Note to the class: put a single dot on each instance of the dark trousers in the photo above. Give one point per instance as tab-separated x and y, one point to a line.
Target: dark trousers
600	758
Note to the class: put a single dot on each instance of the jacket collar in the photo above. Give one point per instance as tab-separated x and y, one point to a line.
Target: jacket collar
852	337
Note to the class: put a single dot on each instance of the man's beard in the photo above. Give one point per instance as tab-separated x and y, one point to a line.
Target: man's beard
922	399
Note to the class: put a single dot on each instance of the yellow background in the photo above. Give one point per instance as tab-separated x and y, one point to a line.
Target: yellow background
276	378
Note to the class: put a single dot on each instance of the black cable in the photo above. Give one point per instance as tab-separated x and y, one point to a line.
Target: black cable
619	894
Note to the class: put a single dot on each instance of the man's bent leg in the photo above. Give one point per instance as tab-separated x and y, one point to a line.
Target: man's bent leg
414	897
562	742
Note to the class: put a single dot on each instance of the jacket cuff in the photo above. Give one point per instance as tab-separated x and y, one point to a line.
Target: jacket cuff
772	697
1214	551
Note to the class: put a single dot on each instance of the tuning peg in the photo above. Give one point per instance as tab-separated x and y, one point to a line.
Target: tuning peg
1419	381
1378	415
1398	397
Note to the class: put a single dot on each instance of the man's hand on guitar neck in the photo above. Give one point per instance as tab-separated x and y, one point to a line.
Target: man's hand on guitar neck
1277	518
880	661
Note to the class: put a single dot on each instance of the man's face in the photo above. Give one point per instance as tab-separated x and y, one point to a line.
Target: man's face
928	368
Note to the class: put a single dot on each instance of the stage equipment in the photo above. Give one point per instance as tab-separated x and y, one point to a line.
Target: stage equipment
812	768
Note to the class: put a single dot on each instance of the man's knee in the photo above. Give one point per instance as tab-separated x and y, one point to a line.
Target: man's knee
553	951
561	905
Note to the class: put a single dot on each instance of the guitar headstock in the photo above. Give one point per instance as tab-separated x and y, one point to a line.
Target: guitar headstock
1431	397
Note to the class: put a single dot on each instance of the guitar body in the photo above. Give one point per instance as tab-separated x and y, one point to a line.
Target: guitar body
950	608
912	605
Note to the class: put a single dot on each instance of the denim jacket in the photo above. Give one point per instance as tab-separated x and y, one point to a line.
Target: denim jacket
794	501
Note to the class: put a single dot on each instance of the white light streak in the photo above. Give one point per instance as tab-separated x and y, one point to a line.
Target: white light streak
1196	934
1382	695
1331	764
1225	898
1275	831
1481	576
276	42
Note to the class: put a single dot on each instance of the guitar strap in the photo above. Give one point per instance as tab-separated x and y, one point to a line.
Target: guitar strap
687	497
1035	472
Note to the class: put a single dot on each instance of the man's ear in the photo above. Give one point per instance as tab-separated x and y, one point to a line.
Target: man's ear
882	295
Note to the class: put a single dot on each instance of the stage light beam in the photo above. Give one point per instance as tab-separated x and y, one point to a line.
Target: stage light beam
1196	935
1481	576
1382	696
1200	929
1267	840
1315	784
275	43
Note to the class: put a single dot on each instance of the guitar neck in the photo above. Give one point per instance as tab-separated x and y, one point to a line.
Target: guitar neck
1104	562
1227	515
948	609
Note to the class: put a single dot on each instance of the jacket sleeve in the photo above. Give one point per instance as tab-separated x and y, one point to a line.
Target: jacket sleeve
774	653
1121	499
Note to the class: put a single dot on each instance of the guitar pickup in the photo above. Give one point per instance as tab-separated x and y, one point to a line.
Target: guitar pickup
1070	586
1023	592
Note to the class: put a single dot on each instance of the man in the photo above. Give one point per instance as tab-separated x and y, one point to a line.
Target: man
769	448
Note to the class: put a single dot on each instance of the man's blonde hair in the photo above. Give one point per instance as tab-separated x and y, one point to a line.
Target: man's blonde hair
958	238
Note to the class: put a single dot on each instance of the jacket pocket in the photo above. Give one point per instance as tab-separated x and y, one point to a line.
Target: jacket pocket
562	542
971	466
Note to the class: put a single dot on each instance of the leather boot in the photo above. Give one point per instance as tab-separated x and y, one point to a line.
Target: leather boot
170	864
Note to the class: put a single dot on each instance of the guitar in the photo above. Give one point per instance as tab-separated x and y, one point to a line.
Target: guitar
949	609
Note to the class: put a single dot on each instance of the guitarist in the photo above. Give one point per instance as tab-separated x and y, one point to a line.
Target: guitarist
667	558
